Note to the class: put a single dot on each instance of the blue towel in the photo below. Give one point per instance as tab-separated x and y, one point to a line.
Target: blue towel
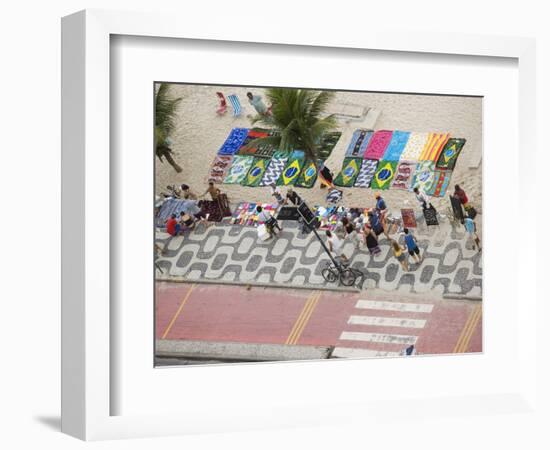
234	100
396	146
233	142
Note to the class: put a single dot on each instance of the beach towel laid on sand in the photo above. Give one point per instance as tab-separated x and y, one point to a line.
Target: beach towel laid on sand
235	103
328	143
424	176
219	168
449	155
378	144
415	145
366	173
349	172
309	174
255	174
403	175
234	141
359	142
292	170
434	146
251	135
442	179
334	196
275	169
238	170
409	218
397	145
384	175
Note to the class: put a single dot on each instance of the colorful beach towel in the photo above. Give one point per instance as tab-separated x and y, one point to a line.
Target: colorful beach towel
219	168
255	174
234	141
403	175
292	170
334	196
442	179
366	173
384	175
235	103
354	147
275	169
414	146
434	146
424	176
308	176
409	218
238	170
251	135
365	144
396	146
328	143
378	144
349	172
449	155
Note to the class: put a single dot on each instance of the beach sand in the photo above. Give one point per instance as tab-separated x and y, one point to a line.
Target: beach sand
200	132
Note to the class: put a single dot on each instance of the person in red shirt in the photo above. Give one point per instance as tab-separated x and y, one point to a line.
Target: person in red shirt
172	226
461	195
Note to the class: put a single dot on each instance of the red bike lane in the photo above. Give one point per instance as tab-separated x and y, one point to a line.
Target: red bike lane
356	324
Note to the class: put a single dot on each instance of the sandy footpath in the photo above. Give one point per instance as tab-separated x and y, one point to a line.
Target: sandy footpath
200	132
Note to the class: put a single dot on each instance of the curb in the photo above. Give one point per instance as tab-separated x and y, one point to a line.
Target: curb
175	279
462	297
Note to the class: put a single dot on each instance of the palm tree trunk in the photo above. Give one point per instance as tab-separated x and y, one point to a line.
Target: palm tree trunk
173	163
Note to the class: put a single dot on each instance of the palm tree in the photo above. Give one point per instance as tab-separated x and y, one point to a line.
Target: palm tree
296	120
165	122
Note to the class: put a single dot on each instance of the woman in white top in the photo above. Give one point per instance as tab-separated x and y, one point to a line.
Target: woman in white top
336	246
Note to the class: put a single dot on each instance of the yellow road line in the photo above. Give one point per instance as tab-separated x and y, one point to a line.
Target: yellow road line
472	329
467	329
306	318
171	324
303	318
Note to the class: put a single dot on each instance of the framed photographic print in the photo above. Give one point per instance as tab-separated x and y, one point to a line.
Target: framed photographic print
265	231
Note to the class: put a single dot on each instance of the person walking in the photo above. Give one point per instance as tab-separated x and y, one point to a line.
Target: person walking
258	104
412	246
336	246
371	241
461	195
375	221
268	220
422	198
400	254
382	209
471	231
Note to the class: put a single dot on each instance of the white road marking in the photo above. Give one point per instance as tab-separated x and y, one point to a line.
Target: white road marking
387	321
395	306
344	352
378	337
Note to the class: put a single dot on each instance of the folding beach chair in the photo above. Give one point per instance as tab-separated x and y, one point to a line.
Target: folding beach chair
222	109
234	100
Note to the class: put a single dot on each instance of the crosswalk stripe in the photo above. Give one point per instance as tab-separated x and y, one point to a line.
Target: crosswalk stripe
386	321
378	337
344	352
395	306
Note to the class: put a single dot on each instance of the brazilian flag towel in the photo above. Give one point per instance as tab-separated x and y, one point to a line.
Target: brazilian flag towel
256	172
349	172
384	175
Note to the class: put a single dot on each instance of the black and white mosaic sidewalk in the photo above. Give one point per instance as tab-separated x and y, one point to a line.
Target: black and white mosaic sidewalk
235	254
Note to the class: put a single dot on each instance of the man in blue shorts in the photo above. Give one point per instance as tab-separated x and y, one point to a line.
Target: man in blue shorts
412	247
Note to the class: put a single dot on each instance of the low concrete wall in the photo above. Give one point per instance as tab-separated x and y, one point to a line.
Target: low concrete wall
234	351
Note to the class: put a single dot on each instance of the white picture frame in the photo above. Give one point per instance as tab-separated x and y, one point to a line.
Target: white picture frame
87	383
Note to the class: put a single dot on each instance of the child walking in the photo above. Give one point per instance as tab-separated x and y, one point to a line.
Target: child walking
412	246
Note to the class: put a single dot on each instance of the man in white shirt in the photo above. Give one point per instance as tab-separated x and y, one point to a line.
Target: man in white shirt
422	198
268	220
336	246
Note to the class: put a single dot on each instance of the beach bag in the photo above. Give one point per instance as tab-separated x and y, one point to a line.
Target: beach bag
263	234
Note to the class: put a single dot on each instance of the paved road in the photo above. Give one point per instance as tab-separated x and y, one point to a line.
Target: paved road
234	253
356	324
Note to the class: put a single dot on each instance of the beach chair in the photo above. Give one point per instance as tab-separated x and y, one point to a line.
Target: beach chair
234	100
222	109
